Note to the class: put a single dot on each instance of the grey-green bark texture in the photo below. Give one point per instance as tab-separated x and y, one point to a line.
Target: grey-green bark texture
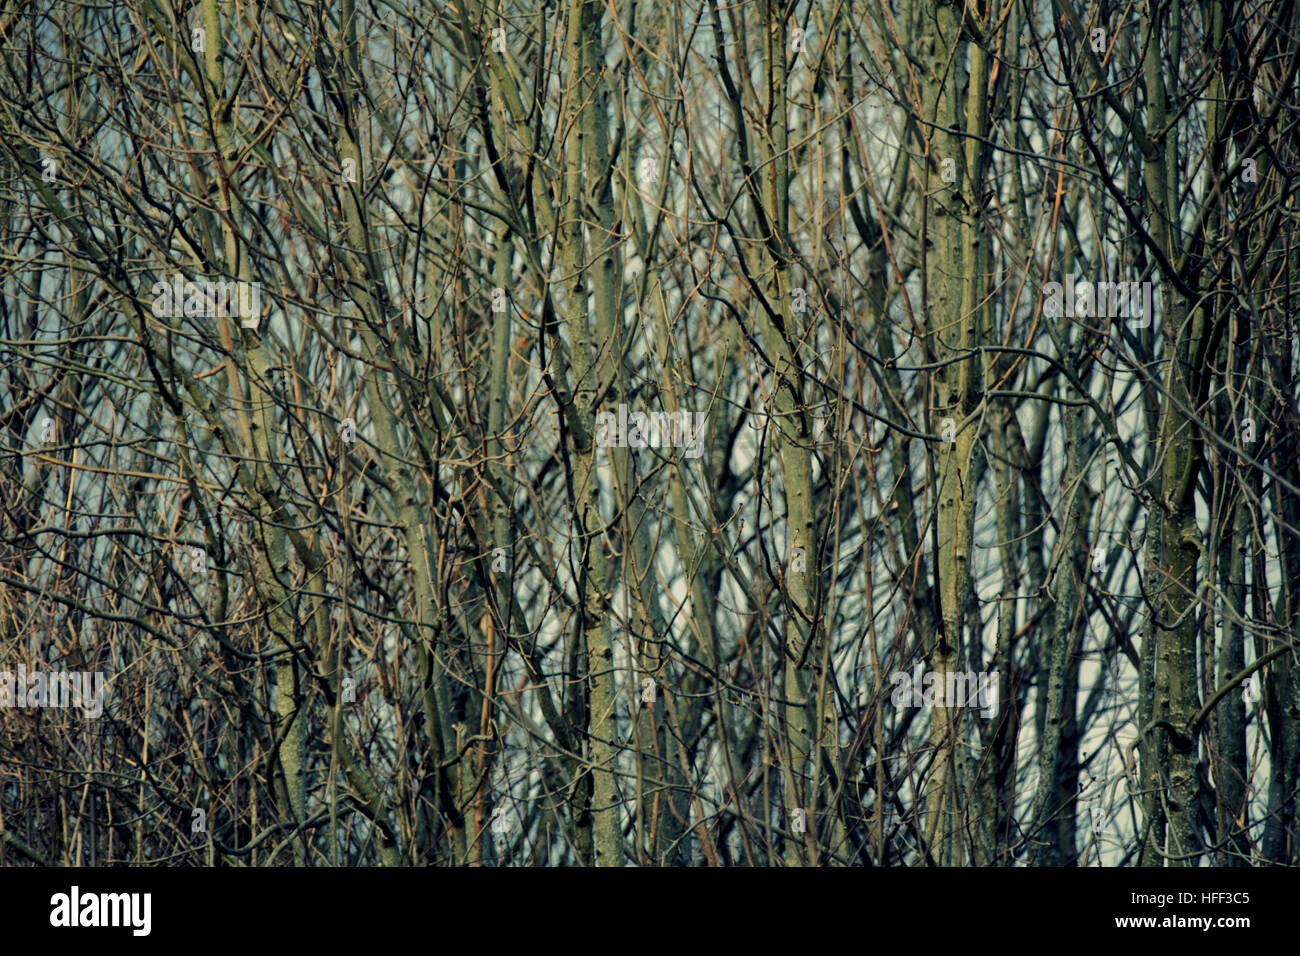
629	403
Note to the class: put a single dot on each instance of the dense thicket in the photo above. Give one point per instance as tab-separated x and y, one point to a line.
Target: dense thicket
326	330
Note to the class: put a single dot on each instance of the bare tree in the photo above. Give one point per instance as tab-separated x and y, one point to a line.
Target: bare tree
676	434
